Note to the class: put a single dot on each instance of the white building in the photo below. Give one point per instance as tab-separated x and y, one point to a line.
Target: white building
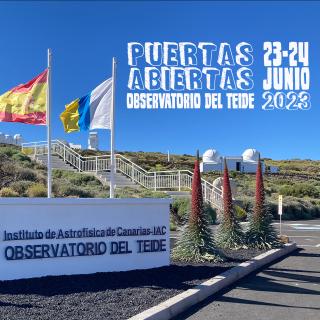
247	162
75	146
18	139
6	138
93	142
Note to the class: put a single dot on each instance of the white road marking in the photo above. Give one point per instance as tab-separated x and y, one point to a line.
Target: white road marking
303	224
318	245
304	237
306	245
307	228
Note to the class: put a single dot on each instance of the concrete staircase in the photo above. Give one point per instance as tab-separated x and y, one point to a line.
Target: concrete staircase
121	181
128	173
56	162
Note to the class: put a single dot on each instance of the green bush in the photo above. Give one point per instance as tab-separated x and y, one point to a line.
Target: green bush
83	179
247	204
128	192
37	190
71	191
240	213
57	174
21	157
41	178
233	174
296	209
39	166
21	187
144	193
300	190
180	211
9	168
8	151
210	212
74	184
8	192
173	226
75	178
27	174
293	208
159	167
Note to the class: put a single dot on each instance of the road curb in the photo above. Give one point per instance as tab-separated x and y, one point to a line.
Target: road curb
181	302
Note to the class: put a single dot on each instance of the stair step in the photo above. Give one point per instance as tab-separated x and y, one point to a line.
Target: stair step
56	162
120	180
178	193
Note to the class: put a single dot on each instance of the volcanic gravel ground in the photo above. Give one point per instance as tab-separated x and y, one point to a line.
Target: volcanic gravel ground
105	296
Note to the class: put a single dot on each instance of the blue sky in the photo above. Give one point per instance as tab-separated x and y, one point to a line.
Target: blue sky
85	35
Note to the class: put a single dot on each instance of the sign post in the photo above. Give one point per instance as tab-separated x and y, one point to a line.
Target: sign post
49	181
112	158
280	210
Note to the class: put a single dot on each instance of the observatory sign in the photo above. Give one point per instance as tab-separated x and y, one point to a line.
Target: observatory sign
42	237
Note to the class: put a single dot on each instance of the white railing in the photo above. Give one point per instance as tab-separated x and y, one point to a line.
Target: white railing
157	180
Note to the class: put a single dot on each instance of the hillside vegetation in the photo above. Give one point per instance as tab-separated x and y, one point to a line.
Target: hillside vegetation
298	181
22	177
152	161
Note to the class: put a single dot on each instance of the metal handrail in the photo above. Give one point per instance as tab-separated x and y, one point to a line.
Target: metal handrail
156	180
128	160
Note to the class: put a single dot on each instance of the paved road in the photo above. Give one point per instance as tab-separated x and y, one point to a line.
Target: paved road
286	290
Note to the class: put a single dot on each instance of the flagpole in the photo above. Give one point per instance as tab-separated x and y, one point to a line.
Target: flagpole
49	124
112	158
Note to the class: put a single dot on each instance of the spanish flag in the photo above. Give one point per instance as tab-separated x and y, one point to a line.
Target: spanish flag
26	103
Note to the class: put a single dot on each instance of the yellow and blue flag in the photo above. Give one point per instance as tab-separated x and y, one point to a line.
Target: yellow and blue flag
93	111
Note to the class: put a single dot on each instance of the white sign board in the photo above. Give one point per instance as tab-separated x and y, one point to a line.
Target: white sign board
40	237
280	205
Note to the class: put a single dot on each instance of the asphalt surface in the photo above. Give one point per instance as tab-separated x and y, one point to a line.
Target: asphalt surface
287	290
108	295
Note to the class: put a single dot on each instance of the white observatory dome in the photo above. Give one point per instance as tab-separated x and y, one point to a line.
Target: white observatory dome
211	155
251	155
